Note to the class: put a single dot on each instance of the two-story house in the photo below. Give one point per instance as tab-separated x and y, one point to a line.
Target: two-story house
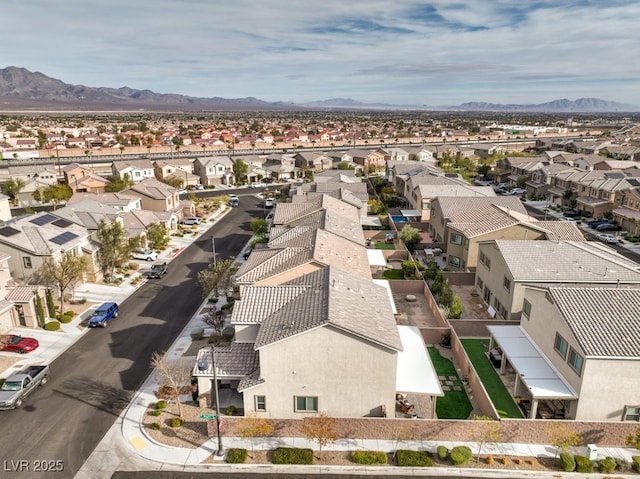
179	170
214	170
135	170
82	179
602	195
159	198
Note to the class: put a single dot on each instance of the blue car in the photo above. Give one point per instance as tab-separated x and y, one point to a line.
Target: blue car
103	315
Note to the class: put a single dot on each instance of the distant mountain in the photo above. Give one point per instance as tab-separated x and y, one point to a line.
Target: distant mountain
558	106
23	89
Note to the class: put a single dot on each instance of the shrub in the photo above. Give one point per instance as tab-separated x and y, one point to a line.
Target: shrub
66	317
369	457
567	463
156	412
489	459
443	452
460	455
504	460
52	326
176	421
636	463
134	266
518	461
236	455
161	404
155	426
583	464
607	465
197	334
230	411
407	458
228	333
292	455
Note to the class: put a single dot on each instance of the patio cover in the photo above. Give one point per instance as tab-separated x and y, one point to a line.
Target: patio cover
416	373
533	368
376	257
410	213
370	221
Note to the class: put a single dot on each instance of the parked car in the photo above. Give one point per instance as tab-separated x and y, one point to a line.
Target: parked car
482	181
269	202
191	220
500	187
595	223
258	184
103	315
18	344
157	270
18	386
608	227
608	238
516	192
145	255
234	201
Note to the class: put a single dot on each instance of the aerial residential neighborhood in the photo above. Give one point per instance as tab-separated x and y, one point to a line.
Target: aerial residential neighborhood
364	256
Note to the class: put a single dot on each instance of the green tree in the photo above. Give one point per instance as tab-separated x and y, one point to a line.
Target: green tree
118	183
345	165
54	194
215	277
259	227
12	187
446	294
376	207
51	307
633	440
410	236
157	235
563	437
63	273
456	308
39	311
240	169
114	246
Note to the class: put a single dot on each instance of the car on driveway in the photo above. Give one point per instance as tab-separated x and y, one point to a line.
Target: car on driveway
105	313
191	220
269	202
516	192
608	227
18	344
145	255
607	238
258	184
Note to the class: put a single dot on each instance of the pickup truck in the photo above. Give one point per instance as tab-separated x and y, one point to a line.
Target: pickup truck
157	270
18	386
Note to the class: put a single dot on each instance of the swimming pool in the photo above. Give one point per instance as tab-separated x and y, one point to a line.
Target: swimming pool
399	219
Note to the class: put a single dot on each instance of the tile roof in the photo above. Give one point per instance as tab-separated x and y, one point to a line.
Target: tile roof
603	320
331	297
21	294
566	261
268	262
235	361
42	239
152	188
453	205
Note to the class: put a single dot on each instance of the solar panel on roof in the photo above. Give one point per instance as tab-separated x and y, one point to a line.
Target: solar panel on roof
42	220
8	231
63	238
61	223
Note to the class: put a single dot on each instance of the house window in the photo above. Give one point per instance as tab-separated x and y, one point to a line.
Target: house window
575	361
26	261
526	308
506	282
306	404
454	261
456	238
480	283
260	403
561	346
631	413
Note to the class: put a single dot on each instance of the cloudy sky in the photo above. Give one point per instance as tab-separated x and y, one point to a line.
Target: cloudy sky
391	51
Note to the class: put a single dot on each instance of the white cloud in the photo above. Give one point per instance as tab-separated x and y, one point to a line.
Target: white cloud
378	50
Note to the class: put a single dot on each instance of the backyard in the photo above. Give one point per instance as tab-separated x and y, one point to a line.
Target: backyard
500	397
455	404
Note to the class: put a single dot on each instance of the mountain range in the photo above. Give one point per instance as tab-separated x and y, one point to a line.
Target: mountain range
21	89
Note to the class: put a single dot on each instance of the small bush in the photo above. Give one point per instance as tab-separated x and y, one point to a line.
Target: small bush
583	464
518	461
156	412
407	458
161	404
134	266
443	452
607	465
176	421
292	455
52	326
567	463
369	457
236	455
230	411
66	317
636	463
155	426
489	459
504	460
460	455
197	334
228	333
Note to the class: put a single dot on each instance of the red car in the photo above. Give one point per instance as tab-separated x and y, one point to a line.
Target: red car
18	344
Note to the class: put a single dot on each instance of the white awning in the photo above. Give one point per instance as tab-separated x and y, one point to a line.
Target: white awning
410	213
533	367
376	257
370	221
415	372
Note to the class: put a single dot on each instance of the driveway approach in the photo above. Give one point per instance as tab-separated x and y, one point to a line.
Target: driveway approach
93	381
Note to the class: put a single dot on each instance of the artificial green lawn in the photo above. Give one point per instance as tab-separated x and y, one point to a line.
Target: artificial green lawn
393	274
382	245
454	404
502	400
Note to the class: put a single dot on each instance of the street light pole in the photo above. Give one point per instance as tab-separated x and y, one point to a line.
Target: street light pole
215	389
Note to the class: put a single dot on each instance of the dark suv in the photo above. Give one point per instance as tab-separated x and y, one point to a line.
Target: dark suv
103	314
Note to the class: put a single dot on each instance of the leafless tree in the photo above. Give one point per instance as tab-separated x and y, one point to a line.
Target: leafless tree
175	373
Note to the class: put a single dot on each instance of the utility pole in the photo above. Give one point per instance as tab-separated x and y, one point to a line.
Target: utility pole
215	389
